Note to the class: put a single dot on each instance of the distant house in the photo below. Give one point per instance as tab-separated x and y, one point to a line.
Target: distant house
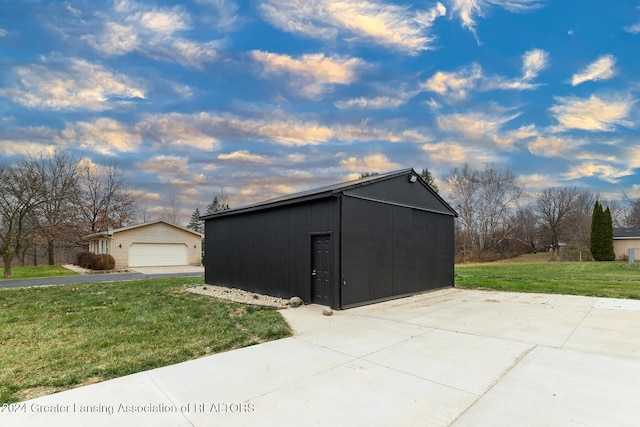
625	239
348	244
152	244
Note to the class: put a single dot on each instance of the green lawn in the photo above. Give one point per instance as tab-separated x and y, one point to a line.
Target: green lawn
601	279
38	271
60	337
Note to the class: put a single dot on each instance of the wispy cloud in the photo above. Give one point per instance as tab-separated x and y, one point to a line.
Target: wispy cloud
375	103
372	163
225	13
104	136
178	131
593	113
602	68
395	27
166	165
3	32
72	84
312	74
603	171
459	84
534	61
152	31
455	153
244	156
475	125
454	84
469	10
555	146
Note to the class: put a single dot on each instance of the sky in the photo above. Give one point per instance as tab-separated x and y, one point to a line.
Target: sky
258	99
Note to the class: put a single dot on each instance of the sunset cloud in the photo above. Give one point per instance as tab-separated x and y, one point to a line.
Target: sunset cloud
375	22
312	74
593	113
602	68
72	84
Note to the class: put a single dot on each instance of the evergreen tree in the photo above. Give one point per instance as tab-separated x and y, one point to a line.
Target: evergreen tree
195	223
428	178
602	234
596	227
607	237
217	205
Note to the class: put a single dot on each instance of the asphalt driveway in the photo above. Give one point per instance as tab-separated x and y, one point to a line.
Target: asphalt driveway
451	357
137	274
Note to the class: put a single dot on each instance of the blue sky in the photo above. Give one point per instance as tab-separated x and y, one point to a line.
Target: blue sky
263	98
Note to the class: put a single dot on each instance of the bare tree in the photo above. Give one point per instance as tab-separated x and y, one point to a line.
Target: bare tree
105	198
632	215
525	228
21	194
554	207
171	213
58	216
485	199
618	213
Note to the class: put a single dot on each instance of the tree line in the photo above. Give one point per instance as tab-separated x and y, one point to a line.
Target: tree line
48	203
499	218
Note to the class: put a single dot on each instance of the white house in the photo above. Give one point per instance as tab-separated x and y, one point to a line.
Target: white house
155	243
625	239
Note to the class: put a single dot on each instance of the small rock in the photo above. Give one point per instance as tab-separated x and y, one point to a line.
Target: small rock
327	312
295	302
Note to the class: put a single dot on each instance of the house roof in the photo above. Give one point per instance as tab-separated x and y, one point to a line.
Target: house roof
328	191
131	227
626	233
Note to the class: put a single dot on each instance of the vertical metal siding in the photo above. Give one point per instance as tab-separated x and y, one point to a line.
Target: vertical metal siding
380	250
400	190
389	251
267	251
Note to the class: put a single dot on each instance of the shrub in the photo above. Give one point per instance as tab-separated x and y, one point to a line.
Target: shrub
99	262
83	259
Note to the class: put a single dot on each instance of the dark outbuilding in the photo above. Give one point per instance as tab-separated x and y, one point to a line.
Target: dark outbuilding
373	239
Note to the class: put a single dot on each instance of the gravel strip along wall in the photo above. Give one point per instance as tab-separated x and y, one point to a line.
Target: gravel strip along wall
238	295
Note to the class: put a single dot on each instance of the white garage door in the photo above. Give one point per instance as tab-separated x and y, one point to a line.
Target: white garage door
157	254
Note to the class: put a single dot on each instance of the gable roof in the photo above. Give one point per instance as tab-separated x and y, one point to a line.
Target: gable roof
328	191
131	227
626	233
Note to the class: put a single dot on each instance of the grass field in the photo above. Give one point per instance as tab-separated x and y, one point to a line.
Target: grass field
601	279
60	337
38	271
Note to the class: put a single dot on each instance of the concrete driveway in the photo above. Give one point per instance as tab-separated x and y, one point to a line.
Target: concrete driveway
451	357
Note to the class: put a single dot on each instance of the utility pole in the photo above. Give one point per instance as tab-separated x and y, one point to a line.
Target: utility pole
106	220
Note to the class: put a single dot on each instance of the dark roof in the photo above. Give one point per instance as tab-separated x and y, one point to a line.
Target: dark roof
130	227
626	233
328	191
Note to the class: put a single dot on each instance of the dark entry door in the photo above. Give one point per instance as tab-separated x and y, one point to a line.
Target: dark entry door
321	269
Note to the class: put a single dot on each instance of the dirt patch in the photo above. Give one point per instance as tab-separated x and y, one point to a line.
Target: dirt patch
32	393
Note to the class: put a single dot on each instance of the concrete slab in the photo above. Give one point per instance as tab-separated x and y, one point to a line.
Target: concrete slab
526	319
244	374
128	401
349	334
561	388
451	357
360	393
612	331
465	362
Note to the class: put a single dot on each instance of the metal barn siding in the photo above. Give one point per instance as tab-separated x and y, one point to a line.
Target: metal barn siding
390	251
344	245
269	251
